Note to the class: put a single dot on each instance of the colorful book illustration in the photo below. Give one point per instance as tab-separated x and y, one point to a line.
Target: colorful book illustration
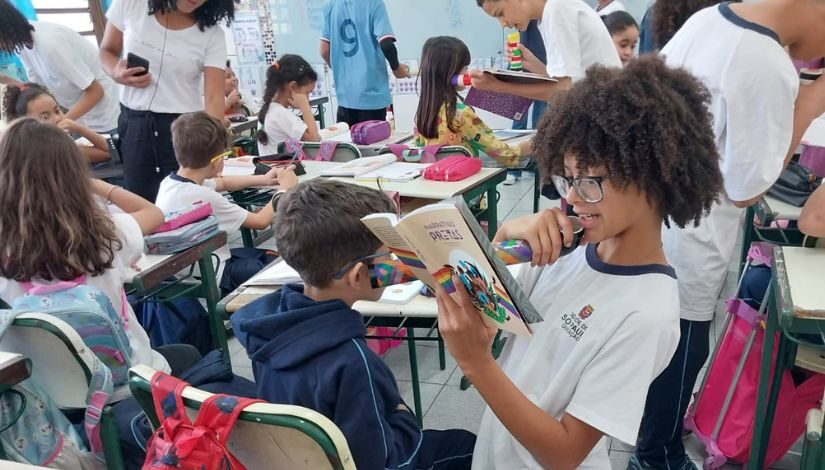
359	166
438	241
508	106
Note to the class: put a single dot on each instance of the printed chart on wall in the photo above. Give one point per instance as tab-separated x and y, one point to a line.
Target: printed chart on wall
246	31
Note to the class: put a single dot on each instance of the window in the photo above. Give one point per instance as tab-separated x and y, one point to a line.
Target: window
84	16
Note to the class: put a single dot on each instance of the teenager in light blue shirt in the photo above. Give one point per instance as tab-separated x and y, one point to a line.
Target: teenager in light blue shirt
356	40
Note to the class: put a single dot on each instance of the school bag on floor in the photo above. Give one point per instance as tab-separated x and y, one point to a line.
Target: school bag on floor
181	321
180	444
34	431
89	312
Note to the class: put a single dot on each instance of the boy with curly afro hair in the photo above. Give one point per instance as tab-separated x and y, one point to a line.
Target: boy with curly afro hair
628	148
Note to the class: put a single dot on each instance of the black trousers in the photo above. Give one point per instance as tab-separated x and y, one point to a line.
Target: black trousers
451	449
146	149
354	116
660	437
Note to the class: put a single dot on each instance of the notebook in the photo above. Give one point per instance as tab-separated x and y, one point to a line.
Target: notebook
275	275
508	106
359	166
398	172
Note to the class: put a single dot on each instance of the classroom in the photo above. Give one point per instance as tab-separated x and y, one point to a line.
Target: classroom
394	234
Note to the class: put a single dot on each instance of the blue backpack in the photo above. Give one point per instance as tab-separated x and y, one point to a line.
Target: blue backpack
91	314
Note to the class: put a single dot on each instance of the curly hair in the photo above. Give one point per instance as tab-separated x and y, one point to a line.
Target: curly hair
670	15
15	29
648	125
207	15
14	101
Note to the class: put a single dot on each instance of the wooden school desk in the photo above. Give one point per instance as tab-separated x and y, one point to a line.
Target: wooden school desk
482	182
796	306
238	128
421	313
156	280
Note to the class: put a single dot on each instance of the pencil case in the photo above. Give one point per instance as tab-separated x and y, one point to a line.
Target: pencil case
454	168
395	272
370	132
182	238
267	162
185	216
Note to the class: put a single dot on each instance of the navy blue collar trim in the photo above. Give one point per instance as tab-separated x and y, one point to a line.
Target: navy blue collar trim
724	9
180	178
616	270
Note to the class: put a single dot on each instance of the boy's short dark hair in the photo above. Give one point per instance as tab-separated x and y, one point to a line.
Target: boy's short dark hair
649	125
318	227
197	139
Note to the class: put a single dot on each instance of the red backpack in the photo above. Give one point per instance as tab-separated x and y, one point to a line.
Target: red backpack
180	444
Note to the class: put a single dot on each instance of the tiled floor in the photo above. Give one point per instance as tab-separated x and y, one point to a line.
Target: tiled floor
446	406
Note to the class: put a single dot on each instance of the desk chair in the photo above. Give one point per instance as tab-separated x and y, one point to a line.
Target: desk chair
344	152
442	153
266	435
62	366
760	226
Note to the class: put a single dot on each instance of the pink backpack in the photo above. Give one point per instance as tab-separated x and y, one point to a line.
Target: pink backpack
370	132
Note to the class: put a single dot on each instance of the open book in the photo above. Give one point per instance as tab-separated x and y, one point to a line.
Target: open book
440	240
514	76
359	166
398	172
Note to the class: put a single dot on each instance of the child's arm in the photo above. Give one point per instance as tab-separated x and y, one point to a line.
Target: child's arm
541	91
146	214
483	139
283	177
90	97
812	220
100	150
301	102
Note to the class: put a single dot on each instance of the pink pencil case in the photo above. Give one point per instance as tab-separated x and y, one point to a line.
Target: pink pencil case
185	216
454	168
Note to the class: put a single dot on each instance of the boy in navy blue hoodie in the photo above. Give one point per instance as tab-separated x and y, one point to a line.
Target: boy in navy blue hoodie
307	343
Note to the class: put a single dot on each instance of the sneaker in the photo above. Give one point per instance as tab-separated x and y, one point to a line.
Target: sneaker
510	180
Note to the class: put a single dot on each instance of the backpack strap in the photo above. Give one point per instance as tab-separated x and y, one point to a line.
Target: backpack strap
326	150
100	389
429	152
295	146
40	289
398	150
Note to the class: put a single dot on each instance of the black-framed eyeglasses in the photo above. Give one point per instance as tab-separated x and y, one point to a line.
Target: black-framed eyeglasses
352	263
589	188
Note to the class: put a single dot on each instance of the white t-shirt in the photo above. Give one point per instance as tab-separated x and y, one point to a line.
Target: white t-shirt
280	124
176	59
66	63
611	7
177	192
753	86
575	38
608	331
111	284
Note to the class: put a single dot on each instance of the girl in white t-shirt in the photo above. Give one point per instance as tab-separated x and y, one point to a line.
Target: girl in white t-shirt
289	82
53	227
184	45
617	147
624	31
35	101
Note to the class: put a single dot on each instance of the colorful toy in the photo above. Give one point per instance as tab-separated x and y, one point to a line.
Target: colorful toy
462	80
515	53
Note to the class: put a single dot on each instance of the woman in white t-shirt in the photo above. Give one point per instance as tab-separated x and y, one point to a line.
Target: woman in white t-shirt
289	81
185	48
54	228
617	147
64	62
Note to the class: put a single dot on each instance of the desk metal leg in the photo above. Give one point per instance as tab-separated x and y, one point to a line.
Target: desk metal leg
321	111
419	413
536	189
747	238
492	211
211	294
442	358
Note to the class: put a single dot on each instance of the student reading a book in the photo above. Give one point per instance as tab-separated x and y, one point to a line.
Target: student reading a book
307	343
574	37
54	228
33	100
289	81
627	148
201	143
442	118
625	33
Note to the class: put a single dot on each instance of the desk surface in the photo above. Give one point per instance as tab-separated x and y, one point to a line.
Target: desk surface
783	210
805	268
418	187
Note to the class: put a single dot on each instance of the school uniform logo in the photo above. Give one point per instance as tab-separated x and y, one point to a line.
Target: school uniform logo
575	325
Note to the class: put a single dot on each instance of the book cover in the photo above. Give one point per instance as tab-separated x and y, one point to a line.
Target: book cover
508	106
517	76
442	240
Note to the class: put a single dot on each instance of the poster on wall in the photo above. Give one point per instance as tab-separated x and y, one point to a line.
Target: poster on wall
251	79
247	5
246	30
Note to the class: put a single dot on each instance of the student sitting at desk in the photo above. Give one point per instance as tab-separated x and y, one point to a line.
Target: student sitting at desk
307	343
200	143
441	118
52	227
37	102
288	85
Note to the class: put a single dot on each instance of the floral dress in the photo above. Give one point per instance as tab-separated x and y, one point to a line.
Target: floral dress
473	135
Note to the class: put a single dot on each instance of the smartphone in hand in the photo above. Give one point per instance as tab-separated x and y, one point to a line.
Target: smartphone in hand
134	60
